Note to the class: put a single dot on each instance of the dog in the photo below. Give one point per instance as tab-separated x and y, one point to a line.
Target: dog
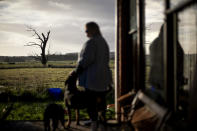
74	99
56	113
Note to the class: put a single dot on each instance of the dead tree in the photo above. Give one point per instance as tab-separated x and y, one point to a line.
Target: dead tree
43	39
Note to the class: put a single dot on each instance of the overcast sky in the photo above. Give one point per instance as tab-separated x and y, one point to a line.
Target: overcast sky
187	20
65	19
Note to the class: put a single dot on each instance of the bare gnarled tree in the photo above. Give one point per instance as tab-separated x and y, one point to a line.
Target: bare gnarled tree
43	39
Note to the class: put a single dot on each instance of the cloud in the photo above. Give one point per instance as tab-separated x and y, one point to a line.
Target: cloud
186	30
186	22
65	19
13	28
154	13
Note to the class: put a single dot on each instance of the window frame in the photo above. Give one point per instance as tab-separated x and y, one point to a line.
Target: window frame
137	61
170	40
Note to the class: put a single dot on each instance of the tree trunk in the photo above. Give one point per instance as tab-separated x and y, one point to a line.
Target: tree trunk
43	42
43	58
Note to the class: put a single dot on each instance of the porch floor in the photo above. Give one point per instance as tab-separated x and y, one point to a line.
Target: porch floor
38	126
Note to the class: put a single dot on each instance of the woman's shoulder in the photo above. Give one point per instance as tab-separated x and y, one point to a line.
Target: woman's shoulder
91	41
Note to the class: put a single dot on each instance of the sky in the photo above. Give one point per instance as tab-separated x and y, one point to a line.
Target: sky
154	15
65	19
187	22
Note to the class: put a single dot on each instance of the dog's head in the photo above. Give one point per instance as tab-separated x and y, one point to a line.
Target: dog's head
71	82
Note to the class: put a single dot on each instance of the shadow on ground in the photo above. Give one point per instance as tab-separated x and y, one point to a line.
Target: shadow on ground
38	126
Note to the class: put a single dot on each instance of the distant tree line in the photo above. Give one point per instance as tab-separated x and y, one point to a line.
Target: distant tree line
14	59
52	57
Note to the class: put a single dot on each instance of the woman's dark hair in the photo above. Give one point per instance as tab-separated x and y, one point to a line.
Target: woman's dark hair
94	27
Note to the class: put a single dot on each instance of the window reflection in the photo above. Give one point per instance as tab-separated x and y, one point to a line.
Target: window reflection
187	33
133	23
154	13
174	3
187	37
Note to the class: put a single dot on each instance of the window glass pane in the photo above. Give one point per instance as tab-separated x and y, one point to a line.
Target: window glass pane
187	33
133	41
133	22
154	14
174	3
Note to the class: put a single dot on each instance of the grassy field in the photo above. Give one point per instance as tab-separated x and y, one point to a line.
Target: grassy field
34	64
26	87
37	64
34	111
34	78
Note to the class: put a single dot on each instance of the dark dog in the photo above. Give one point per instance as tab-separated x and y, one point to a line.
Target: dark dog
74	99
56	113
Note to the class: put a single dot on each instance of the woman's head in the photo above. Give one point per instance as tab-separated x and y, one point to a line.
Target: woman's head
92	29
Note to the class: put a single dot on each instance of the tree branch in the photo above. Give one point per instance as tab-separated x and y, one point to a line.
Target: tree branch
33	44
43	37
48	33
35	33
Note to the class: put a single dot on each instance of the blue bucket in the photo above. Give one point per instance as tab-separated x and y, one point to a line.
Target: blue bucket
55	92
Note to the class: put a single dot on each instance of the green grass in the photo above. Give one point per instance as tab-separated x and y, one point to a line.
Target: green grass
33	78
35	64
32	83
35	111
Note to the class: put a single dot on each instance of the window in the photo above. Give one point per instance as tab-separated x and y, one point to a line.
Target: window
154	14
187	32
174	3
